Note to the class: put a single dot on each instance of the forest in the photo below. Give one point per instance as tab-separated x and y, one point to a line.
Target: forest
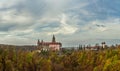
67	60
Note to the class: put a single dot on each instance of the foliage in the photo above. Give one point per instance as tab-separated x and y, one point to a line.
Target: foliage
103	60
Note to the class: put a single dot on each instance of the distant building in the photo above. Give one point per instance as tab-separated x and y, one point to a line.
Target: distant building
96	47
92	48
46	46
103	45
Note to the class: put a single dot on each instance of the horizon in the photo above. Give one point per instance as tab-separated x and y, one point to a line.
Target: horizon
91	42
72	22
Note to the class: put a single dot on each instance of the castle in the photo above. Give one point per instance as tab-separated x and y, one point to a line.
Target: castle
46	46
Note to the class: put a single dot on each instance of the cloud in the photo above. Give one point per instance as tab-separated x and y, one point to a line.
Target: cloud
4	4
12	16
111	27
66	26
28	20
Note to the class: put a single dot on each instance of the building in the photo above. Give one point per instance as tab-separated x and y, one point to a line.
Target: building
46	46
94	48
103	45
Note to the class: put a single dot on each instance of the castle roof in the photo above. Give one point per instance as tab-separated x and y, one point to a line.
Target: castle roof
48	43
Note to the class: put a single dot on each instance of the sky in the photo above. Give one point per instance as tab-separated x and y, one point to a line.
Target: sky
73	22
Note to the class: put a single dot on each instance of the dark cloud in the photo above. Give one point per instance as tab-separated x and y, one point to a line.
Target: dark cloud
6	27
36	7
100	25
47	26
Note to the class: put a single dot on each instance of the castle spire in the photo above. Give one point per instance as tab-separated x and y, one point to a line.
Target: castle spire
38	42
53	39
41	41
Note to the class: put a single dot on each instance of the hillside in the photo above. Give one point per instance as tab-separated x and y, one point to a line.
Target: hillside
24	47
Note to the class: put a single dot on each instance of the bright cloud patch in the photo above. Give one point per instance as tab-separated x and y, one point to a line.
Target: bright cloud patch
65	27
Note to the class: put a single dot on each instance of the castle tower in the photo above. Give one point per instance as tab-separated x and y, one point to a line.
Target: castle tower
53	39
38	42
103	44
53	45
41	41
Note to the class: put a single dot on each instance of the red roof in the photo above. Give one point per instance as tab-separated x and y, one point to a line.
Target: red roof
49	43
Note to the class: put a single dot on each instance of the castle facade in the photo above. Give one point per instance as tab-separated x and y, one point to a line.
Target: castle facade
46	46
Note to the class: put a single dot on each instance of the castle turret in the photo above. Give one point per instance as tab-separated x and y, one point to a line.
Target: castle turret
38	42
